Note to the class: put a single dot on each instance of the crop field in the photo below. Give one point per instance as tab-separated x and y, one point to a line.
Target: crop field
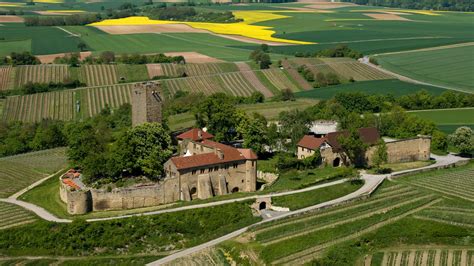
389	86
449	119
35	107
427	256
12	215
20	171
234	83
451	67
6	77
280	79
98	75
93	100
41	74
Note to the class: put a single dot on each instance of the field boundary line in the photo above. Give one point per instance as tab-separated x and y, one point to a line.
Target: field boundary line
435	48
390	39
303	256
68	32
421	217
447	109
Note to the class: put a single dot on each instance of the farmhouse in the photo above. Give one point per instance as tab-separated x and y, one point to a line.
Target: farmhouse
406	150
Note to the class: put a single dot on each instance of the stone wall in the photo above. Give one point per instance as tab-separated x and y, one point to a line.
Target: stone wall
83	201
406	150
304	153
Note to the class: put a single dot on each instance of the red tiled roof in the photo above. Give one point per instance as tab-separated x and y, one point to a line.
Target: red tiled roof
369	135
248	154
193	134
71	183
231	154
311	142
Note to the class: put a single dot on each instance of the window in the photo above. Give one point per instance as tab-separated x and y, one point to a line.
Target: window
216	168
235	165
202	171
210	169
253	163
194	172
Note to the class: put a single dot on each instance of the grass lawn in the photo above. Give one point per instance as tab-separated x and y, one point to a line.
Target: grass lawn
448	120
450	67
404	166
391	86
305	199
297	179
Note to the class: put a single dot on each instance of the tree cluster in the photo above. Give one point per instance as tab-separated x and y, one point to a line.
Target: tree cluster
15	59
338	51
447	5
463	140
182	13
108	57
35	87
72	20
18	137
261	57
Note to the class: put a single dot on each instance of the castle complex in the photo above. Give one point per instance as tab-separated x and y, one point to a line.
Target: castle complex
202	169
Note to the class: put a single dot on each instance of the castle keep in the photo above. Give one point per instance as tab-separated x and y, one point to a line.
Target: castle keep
147	102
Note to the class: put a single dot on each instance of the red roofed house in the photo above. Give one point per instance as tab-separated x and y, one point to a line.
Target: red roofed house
330	147
405	150
206	168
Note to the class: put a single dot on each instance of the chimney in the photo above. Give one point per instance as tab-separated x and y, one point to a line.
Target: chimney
200	134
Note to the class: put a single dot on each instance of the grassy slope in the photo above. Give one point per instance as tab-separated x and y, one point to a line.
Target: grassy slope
305	199
392	86
449	119
448	67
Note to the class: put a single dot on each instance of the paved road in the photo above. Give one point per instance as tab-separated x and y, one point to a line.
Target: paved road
371	183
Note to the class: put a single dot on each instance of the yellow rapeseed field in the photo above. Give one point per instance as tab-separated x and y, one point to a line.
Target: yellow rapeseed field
244	28
11	4
49	1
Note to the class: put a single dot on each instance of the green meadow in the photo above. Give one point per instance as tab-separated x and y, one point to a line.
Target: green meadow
449	119
451	67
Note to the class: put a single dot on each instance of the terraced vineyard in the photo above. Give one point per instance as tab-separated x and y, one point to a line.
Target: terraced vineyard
93	100
98	75
177	70
20	171
6	77
279	79
300	239
427	256
41	74
12	215
458	184
35	107
234	83
154	70
356	70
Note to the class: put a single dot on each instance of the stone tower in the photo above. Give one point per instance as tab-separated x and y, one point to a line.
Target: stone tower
147	101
